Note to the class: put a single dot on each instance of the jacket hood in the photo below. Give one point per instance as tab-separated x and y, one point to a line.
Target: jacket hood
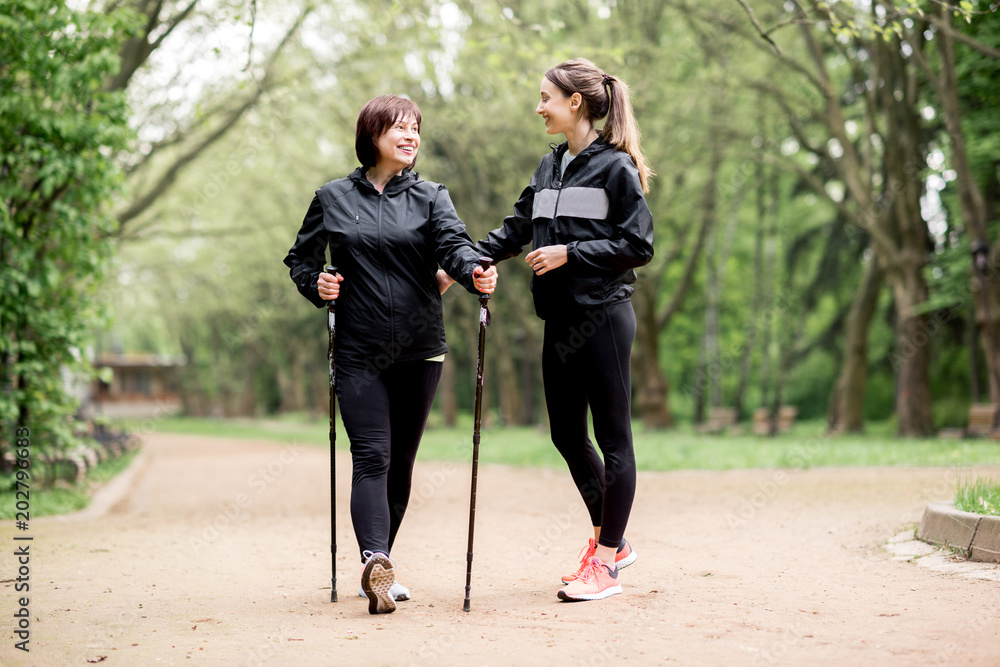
396	184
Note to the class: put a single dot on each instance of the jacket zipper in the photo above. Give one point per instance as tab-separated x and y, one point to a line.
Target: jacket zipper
560	178
559	182
388	283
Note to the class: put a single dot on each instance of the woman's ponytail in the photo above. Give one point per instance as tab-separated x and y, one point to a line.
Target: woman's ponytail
621	129
605	95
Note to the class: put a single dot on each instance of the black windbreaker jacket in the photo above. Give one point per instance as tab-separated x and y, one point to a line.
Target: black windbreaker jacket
598	211
387	246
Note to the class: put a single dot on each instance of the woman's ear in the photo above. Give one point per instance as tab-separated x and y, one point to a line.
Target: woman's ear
575	101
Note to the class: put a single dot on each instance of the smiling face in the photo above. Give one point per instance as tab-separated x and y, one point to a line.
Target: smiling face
561	112
397	147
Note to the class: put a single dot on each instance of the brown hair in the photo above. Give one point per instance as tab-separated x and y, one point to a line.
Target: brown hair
376	117
605	95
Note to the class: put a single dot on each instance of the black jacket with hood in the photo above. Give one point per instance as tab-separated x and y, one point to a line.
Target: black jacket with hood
387	246
598	211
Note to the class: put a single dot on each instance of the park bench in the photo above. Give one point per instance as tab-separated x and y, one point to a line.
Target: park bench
719	419
786	417
761	421
764	425
984	420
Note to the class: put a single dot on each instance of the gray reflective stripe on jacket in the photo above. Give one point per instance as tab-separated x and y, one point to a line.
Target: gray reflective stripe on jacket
575	202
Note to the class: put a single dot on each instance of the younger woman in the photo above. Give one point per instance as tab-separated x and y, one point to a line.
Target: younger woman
586	215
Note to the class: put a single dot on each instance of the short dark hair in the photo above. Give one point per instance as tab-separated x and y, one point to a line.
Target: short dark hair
376	117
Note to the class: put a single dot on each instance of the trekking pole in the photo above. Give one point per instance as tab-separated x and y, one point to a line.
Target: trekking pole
331	320
484	321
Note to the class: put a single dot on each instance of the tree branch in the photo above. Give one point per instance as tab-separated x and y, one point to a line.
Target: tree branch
756	24
795	20
170	175
173	22
960	36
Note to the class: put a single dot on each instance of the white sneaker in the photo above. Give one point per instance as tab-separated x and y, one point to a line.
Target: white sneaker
398	591
377	578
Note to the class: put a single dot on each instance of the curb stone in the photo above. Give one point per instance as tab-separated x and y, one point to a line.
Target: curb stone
977	535
986	545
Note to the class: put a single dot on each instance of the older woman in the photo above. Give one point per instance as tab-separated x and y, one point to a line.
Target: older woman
388	231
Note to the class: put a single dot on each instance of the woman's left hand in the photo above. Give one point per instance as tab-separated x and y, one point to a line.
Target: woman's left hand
485	281
544	259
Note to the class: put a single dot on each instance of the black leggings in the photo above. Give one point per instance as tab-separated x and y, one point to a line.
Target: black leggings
384	416
585	361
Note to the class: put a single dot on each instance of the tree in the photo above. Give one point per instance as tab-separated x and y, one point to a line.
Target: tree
59	134
982	61
877	190
153	166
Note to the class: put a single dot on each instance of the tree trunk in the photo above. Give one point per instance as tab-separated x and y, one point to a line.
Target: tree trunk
293	383
972	333
710	342
985	289
528	384
652	385
758	286
987	306
770	262
709	208
904	160
704	382
910	360
846	412
501	362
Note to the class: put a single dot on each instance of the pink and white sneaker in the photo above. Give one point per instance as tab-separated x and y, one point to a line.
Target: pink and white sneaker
624	557
596	582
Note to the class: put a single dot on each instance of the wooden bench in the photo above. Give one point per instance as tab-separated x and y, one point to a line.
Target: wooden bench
719	419
764	425
762	421
984	420
786	417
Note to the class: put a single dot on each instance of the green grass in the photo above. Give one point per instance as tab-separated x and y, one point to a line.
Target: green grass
289	428
64	497
980	496
805	446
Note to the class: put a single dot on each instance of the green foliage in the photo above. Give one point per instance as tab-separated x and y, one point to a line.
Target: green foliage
978	78
59	137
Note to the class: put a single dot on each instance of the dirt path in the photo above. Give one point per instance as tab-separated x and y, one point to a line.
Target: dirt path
218	552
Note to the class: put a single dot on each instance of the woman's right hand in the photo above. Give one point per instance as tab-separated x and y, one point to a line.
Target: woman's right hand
328	285
444	281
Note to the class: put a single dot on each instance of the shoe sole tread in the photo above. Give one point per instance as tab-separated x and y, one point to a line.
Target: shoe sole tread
376	580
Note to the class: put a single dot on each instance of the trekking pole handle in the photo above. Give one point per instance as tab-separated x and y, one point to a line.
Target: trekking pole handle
331	269
485	263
